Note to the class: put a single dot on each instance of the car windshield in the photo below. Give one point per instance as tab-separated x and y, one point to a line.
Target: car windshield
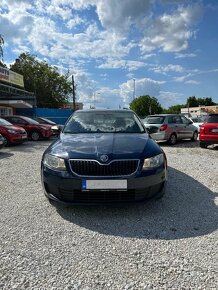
197	120
212	119
103	122
44	121
31	121
3	122
154	120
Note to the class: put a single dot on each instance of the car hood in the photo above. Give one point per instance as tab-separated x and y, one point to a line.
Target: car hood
116	146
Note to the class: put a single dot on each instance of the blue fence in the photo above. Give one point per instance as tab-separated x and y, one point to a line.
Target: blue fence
58	116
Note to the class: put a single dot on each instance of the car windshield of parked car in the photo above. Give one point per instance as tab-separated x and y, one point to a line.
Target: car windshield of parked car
44	121
30	121
154	120
212	119
104	122
3	122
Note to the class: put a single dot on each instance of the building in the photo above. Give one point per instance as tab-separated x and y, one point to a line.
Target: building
78	106
199	111
12	97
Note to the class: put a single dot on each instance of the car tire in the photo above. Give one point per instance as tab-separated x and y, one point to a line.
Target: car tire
35	135
203	145
172	140
7	142
195	136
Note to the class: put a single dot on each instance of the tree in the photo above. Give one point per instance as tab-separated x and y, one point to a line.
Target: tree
1	47
173	109
146	105
195	102
50	87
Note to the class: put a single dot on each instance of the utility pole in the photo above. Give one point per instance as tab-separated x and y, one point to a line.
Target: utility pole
133	89
74	93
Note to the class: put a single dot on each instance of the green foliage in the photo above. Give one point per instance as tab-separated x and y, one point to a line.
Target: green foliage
50	87
176	109
146	105
195	102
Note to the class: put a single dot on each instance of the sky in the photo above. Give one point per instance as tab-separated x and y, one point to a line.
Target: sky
118	50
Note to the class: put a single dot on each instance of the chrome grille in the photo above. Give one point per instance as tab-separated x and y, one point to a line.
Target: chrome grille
94	168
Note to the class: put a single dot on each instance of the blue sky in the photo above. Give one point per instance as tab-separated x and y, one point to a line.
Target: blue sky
169	47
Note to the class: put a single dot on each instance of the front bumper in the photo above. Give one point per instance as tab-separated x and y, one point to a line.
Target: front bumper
65	189
18	138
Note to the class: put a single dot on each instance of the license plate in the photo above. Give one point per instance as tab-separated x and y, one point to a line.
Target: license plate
214	130
104	184
24	137
1	142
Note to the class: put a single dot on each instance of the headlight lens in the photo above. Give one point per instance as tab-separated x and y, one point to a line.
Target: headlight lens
12	131
54	162
153	161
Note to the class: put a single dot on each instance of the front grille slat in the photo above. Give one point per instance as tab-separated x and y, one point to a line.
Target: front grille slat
94	168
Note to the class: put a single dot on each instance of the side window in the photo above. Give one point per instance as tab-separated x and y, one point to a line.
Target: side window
18	121
184	120
178	120
170	120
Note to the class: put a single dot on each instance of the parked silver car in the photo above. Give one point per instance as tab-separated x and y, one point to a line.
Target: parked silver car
170	128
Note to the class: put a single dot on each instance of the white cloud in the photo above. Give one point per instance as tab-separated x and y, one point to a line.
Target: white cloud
185	55
168	68
76	20
119	15
130	65
171	33
143	87
168	99
192	82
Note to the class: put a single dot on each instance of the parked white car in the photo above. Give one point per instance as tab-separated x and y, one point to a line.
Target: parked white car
197	122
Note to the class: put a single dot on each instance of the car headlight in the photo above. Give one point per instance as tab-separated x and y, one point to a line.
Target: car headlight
153	161
12	131
54	162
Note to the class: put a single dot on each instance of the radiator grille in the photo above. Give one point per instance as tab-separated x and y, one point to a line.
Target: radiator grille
94	168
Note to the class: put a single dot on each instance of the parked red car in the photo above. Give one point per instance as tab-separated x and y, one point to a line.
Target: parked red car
12	134
209	131
35	131
56	129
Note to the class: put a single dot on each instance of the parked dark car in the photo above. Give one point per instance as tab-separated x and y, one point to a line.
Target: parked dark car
12	134
42	120
56	129
170	128
103	156
35	131
209	131
2	141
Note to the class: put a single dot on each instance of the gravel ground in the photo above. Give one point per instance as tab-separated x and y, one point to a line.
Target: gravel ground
166	244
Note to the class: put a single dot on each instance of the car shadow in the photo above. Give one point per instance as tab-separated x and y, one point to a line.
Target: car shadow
187	144
181	144
4	155
29	146
187	210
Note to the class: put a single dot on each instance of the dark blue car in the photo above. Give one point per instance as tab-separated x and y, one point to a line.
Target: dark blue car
104	156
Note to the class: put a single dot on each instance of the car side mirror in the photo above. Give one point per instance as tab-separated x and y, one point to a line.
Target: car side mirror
148	131
57	128
190	122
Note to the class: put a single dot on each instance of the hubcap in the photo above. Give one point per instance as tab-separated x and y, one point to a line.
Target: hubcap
35	136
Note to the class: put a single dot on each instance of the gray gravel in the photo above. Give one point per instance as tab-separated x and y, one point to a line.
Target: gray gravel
166	244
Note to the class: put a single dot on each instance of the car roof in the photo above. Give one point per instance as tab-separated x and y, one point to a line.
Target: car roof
105	110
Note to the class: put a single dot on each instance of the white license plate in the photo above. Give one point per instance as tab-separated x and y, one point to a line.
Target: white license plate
24	137
104	184
214	130
1	142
